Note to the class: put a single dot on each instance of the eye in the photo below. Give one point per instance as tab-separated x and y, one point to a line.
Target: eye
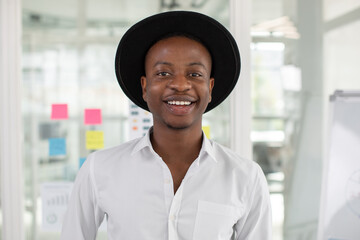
195	74
163	74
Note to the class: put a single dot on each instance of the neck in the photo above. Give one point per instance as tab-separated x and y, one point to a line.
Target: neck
174	145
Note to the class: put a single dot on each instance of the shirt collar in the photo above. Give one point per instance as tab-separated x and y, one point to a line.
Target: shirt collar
145	142
208	148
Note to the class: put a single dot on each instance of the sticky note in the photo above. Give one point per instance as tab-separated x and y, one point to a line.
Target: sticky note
94	140
59	111
92	116
81	161
57	146
206	130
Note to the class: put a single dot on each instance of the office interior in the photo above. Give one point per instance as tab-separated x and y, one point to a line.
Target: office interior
295	54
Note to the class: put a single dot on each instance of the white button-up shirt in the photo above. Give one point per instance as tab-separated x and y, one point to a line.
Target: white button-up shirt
222	196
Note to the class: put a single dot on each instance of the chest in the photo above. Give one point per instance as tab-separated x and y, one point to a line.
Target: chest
178	173
148	198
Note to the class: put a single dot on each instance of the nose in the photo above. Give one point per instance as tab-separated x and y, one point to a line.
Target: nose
180	83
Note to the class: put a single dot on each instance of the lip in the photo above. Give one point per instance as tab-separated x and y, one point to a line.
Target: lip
180	98
180	109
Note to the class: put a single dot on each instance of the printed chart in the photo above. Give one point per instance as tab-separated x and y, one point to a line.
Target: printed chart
55	197
340	199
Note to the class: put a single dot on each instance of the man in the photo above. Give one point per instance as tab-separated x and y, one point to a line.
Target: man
174	183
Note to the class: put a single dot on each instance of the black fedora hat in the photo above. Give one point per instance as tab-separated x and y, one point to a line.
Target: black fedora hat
131	51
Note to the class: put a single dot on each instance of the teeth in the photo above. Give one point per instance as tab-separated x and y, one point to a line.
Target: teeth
179	103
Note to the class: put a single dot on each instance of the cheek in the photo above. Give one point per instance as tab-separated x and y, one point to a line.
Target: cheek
153	92
207	93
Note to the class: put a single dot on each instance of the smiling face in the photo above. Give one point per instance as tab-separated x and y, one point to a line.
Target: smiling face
177	86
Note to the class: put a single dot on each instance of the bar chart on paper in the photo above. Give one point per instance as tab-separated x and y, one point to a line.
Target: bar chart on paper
55	197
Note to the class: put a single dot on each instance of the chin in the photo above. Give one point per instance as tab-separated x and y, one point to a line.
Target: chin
177	126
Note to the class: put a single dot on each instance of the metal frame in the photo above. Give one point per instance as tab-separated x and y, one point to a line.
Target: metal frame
10	120
240	99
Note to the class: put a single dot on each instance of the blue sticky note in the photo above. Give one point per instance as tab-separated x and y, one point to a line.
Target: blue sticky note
81	161
57	146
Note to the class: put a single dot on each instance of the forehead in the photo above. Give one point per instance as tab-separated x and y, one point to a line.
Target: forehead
180	42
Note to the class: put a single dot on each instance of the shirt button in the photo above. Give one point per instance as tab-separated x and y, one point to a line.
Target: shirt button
172	217
167	181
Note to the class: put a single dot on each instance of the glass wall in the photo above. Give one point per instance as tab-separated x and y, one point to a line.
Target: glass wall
72	104
275	91
302	52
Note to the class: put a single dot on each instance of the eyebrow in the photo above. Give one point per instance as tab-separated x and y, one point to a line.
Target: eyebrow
162	63
197	64
170	64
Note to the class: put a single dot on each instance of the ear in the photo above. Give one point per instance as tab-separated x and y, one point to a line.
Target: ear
143	87
211	85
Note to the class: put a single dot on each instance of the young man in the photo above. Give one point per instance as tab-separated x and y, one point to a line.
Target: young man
174	183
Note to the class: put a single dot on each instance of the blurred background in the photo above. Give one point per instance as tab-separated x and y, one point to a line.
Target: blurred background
301	51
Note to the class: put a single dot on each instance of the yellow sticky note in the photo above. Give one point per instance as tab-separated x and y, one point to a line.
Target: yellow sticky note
206	130
94	140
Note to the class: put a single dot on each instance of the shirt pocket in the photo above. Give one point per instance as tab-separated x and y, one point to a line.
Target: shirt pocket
215	221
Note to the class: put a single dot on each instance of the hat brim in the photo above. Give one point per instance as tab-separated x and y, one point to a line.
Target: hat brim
131	51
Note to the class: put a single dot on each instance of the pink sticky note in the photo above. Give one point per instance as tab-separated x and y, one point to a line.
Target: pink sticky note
59	111
92	116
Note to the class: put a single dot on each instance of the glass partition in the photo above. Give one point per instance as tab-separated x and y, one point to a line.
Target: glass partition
302	52
275	91
72	104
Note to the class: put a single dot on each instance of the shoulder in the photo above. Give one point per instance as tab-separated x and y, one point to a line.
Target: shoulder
123	148
244	175
110	162
104	158
246	169
227	156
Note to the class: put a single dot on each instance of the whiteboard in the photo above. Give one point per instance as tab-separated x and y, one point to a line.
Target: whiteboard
340	199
